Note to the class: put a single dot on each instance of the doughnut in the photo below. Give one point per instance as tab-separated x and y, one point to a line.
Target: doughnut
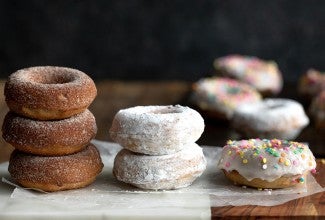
270	118
58	172
156	130
171	171
266	163
317	110
49	138
264	76
311	83
218	97
49	93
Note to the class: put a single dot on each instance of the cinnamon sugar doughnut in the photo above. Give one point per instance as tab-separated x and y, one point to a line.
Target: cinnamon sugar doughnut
270	118
264	76
266	163
218	97
49	138
56	173
171	171
156	130
47	93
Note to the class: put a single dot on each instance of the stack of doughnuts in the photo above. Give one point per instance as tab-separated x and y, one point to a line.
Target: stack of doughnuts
159	146
50	128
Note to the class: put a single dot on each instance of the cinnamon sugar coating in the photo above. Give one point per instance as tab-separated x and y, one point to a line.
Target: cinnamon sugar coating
59	137
56	173
47	93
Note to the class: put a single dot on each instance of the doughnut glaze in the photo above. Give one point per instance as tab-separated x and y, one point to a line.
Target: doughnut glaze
48	92
58	172
265	76
270	118
219	97
266	163
171	171
156	130
49	138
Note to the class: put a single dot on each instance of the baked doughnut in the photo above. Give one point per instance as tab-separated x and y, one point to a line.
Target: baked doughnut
219	97
270	118
156	130
311	83
317	110
48	93
171	171
266	163
56	173
264	76
49	138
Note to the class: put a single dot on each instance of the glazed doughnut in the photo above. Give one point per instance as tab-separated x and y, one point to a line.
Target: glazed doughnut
317	110
56	173
171	171
264	76
49	138
156	130
311	83
219	97
48	93
270	118
266	163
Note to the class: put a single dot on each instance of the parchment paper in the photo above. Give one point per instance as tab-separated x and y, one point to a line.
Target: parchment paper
211	189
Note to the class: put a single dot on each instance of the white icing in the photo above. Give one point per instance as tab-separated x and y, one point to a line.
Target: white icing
160	172
271	118
156	130
263	75
294	162
215	94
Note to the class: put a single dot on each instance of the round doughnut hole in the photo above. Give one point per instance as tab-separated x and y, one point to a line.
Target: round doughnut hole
166	110
233	90
51	76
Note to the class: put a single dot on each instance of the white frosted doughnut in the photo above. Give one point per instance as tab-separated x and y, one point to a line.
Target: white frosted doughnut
263	75
270	118
219	97
266	163
156	130
160	172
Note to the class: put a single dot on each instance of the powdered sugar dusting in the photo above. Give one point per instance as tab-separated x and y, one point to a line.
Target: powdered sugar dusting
160	172
156	130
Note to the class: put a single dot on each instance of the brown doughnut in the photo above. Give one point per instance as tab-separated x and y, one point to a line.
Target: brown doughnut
47	93
56	173
49	138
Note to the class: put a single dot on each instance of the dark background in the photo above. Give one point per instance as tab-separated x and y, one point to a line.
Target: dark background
160	39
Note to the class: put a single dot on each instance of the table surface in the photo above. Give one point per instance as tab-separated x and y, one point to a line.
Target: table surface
115	95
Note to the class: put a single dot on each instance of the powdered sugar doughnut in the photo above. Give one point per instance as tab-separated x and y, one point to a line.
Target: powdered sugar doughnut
265	76
56	173
219	97
171	171
49	138
270	118
266	163
48	93
156	130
